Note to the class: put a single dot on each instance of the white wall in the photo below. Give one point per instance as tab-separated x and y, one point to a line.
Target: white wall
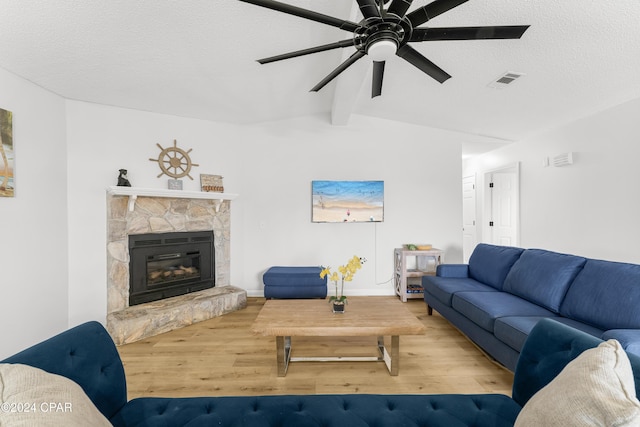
422	195
33	224
590	208
271	167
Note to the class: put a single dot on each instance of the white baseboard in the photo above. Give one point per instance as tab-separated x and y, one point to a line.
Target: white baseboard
259	293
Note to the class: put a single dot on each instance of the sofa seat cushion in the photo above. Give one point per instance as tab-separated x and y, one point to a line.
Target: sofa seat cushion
628	338
591	330
484	311
322	410
514	330
443	288
605	294
490	264
543	277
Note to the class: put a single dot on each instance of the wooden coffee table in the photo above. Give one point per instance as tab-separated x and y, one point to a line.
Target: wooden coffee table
364	316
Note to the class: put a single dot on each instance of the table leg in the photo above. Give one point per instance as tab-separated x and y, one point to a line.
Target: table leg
283	354
392	360
382	350
395	355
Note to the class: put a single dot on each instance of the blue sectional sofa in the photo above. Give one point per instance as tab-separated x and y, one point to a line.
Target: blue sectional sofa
503	292
86	355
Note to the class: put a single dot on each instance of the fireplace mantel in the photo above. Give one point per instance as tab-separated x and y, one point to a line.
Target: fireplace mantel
134	192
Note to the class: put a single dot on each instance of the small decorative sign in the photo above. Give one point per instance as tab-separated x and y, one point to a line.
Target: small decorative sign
211	183
175	184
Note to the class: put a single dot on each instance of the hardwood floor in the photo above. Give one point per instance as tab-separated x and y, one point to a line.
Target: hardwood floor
221	357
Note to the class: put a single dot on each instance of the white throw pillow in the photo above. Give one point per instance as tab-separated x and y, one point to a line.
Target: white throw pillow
595	389
32	397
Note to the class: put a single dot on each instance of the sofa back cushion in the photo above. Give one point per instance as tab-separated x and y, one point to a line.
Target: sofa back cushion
605	294
489	264
543	277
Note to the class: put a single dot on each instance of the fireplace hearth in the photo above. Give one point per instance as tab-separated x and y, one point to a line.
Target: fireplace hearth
164	265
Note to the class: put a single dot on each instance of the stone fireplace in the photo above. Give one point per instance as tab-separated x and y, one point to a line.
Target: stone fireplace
134	211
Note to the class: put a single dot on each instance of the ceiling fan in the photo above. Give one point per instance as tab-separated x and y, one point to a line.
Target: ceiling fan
385	32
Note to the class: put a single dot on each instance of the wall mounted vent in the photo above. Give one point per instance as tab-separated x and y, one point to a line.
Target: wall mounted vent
505	80
563	159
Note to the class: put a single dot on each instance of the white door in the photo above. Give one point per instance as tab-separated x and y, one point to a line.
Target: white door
469	236
503	222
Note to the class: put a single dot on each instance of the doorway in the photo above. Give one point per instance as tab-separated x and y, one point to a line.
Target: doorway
469	232
501	225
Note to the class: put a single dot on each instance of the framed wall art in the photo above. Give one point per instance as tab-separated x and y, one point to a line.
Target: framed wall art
347	201
7	183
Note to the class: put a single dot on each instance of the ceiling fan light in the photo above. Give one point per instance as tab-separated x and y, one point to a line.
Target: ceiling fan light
382	50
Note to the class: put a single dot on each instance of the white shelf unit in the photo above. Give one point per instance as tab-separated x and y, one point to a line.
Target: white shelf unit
407	273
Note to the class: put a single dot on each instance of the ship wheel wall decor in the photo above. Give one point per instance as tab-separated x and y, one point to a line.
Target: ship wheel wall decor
174	161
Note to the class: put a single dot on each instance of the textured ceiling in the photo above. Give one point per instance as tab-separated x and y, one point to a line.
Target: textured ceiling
197	59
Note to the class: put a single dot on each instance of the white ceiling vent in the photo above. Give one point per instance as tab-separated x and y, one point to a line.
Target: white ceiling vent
505	80
563	159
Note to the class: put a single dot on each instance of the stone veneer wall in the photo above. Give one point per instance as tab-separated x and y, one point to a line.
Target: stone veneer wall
162	215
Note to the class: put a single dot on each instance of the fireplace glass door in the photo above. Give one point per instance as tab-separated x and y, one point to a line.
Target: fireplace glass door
169	268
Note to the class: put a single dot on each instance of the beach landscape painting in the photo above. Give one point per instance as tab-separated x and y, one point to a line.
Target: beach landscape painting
6	154
347	201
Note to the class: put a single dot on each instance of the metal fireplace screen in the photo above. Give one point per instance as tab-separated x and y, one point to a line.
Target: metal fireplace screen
170	264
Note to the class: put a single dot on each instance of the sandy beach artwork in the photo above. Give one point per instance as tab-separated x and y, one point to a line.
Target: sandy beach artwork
347	201
6	154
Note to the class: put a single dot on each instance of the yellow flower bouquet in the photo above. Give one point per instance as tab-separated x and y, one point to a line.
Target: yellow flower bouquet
344	273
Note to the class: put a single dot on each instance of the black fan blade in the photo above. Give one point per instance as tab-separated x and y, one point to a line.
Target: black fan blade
343	43
369	8
346	64
305	13
468	33
399	7
378	74
415	58
433	9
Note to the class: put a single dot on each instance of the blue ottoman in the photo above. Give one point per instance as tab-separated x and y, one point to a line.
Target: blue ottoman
294	282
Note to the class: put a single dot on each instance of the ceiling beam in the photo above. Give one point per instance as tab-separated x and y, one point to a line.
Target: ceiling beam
347	89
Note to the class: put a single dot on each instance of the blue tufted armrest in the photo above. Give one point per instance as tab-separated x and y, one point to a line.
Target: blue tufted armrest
547	350
87	355
452	270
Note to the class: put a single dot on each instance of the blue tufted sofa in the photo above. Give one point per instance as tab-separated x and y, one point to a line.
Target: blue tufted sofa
87	355
501	294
